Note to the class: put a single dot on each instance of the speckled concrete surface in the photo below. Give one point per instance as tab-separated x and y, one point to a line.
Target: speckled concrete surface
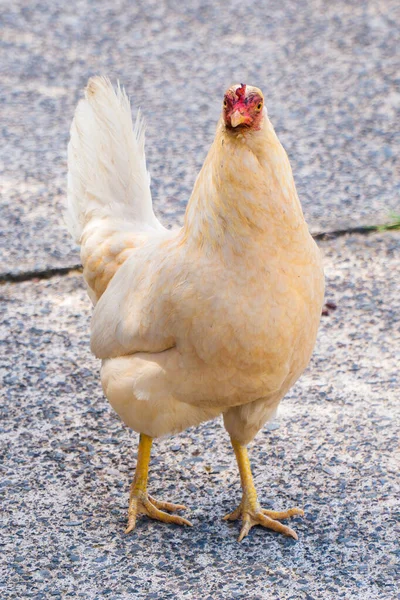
329	72
334	450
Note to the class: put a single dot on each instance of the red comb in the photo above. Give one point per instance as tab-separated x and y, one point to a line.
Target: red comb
240	92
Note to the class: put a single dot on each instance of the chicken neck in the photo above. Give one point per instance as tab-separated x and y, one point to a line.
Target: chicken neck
245	192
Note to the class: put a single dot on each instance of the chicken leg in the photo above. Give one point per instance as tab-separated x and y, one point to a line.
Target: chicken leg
249	509
140	502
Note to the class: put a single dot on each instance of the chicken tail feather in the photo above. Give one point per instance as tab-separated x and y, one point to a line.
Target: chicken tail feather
109	208
107	173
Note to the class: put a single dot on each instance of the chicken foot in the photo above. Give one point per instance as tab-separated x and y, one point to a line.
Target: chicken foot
249	509
140	502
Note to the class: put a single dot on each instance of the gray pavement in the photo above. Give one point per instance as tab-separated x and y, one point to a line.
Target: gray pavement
329	74
334	450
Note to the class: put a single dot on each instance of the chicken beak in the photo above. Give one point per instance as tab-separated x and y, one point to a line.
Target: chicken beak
237	118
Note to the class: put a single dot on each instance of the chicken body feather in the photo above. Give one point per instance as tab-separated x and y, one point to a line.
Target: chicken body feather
219	317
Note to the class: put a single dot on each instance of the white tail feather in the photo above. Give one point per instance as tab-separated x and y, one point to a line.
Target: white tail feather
107	175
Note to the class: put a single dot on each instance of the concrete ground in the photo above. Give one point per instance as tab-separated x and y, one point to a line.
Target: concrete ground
329	74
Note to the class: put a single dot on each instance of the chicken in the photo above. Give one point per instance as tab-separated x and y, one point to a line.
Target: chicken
218	317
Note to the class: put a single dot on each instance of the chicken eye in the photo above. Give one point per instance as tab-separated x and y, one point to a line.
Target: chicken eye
259	106
225	104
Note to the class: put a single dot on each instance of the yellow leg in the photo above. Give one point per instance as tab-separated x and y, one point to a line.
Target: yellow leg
249	509
139	500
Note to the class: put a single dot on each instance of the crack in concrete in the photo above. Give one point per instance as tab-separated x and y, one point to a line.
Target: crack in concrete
39	274
54	271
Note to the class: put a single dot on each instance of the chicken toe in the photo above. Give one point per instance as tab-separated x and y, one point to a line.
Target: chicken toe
141	503
254	515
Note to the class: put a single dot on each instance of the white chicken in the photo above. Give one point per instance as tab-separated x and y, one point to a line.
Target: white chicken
218	317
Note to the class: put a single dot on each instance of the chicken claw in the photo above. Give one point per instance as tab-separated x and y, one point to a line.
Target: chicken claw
249	509
147	505
140	502
267	518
